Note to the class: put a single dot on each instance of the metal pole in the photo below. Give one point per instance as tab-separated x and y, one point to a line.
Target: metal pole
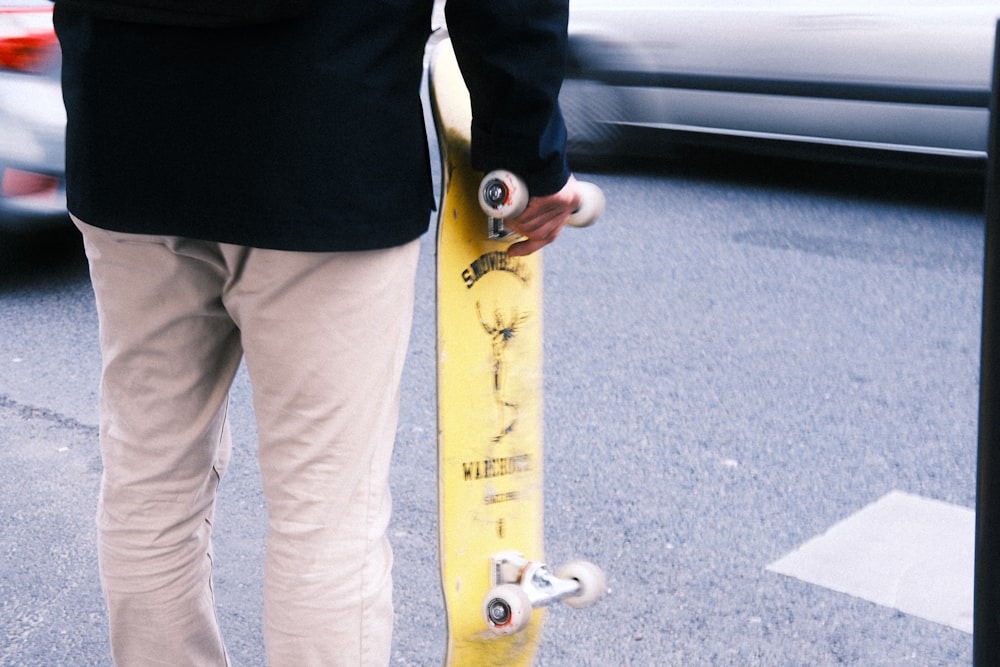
986	619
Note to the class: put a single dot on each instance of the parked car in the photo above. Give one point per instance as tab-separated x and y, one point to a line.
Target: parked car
32	117
901	80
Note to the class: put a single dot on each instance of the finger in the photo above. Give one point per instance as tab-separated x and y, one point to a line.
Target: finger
523	248
540	238
538	224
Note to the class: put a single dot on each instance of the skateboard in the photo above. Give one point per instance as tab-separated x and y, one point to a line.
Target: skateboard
489	355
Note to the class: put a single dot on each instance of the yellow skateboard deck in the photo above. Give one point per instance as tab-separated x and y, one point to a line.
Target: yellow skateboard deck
489	347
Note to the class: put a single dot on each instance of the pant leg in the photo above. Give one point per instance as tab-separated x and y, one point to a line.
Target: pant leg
325	336
169	353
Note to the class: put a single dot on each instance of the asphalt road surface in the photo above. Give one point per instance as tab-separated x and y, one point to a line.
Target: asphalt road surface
740	359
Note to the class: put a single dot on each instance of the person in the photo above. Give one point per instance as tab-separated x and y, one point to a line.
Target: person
253	186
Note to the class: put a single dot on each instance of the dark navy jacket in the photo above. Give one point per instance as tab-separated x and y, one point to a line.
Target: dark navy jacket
300	134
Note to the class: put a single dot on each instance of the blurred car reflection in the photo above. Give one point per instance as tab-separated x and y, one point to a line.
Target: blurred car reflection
901	80
32	117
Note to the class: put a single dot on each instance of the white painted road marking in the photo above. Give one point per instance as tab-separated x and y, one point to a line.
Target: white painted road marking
903	551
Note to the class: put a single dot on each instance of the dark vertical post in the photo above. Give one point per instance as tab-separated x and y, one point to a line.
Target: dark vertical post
986	620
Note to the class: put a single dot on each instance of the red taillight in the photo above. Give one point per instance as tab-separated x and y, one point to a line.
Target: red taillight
17	183
31	53
27	40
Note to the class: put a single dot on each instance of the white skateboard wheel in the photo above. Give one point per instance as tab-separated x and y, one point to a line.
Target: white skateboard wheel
591	205
593	585
502	195
507	609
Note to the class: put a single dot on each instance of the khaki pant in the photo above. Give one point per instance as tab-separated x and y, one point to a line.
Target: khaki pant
324	336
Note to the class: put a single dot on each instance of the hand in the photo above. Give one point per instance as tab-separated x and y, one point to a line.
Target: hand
543	219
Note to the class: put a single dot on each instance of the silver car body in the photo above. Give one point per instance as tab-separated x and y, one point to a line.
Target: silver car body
905	78
32	119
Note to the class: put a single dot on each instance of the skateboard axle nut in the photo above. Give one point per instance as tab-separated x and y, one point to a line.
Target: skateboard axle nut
495	192
499	612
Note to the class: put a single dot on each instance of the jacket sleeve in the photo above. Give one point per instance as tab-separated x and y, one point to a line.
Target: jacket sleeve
512	54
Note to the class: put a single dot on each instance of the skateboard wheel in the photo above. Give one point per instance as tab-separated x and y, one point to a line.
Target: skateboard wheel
507	609
502	195
593	585
591	205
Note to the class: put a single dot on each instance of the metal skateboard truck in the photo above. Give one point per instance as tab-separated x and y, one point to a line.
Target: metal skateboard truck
520	585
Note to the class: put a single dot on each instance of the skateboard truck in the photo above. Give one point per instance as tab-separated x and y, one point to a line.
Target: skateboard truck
520	585
504	195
